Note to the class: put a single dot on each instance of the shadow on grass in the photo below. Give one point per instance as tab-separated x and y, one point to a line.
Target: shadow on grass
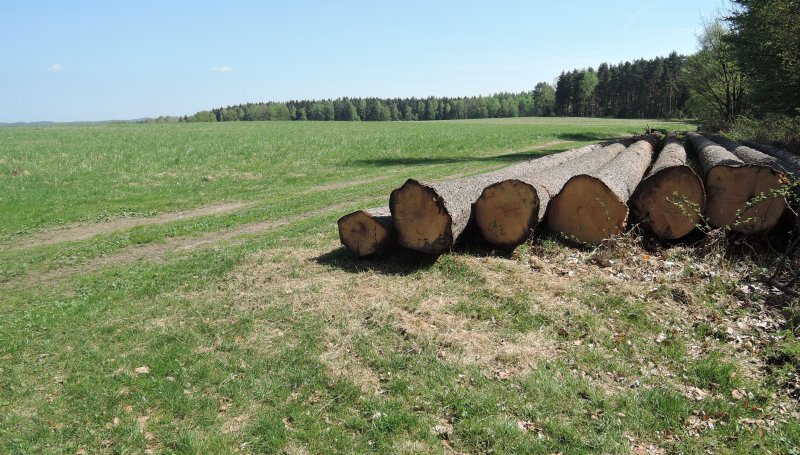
402	261
587	136
398	261
537	152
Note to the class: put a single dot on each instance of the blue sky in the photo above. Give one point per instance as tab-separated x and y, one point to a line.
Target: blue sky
81	60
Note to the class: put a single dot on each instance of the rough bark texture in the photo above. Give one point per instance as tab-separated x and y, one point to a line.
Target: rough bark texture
367	232
738	195
711	154
671	199
507	211
591	208
750	155
429	217
788	160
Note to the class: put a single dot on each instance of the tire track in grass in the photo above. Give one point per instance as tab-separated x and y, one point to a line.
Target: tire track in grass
84	231
155	252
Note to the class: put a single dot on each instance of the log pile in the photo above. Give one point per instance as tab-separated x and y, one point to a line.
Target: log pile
430	217
584	194
671	199
507	211
739	195
592	207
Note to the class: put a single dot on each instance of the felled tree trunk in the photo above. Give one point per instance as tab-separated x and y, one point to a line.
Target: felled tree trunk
750	155
430	217
788	160
367	232
791	163
670	200
507	211
738	195
592	207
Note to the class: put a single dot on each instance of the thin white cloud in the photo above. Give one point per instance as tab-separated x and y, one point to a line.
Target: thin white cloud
222	69
56	68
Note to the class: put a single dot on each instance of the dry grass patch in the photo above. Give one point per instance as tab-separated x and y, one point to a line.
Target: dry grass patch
636	309
419	306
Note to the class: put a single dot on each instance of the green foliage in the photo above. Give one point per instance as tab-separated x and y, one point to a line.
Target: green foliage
718	87
321	111
765	40
587	83
203	116
544	99
642	88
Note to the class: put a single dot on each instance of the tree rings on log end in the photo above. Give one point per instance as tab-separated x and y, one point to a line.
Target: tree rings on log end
420	218
744	198
670	203
364	235
587	211
506	212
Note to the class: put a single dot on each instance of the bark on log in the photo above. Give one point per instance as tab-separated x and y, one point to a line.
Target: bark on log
592	207
788	160
507	211
750	155
738	195
671	199
367	232
791	162
430	217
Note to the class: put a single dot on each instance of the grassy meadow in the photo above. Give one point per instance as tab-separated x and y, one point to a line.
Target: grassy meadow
180	288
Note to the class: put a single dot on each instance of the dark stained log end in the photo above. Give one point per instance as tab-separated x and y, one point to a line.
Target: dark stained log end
587	211
420	218
506	212
731	191
670	203
365	233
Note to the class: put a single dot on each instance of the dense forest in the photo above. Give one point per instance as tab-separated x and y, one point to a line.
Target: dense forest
639	89
643	88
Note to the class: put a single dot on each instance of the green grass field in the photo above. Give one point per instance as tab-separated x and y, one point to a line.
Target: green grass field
179	288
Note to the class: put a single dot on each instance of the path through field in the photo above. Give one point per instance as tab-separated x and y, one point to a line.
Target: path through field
156	252
85	231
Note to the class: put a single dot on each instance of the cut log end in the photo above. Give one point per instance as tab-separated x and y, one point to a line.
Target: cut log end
420	218
743	198
364	235
670	203
506	212
587	211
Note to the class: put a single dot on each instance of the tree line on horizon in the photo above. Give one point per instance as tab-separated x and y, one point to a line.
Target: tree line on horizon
642	88
744	79
538	102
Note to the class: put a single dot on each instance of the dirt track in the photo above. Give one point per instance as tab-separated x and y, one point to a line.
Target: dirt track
83	231
156	251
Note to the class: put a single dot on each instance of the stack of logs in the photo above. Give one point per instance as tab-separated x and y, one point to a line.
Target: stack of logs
586	194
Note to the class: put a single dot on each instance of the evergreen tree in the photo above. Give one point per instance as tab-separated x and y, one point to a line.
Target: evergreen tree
765	39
